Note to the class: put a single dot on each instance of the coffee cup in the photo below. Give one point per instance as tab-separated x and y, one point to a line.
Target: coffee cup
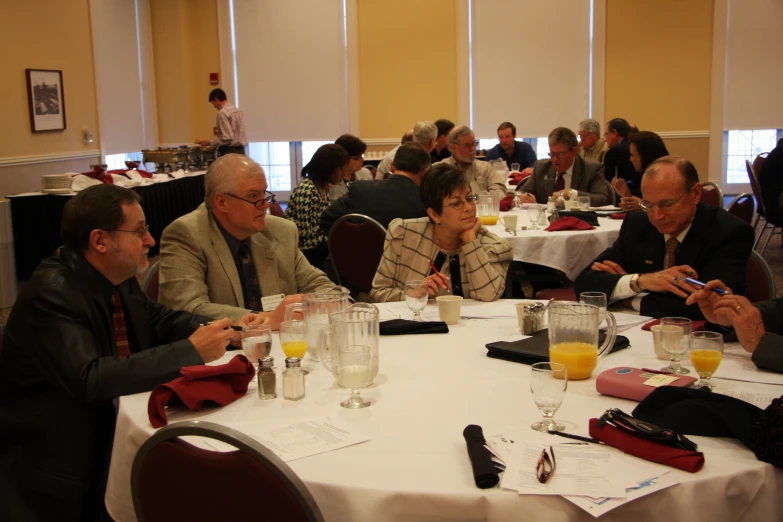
510	221
449	308
660	353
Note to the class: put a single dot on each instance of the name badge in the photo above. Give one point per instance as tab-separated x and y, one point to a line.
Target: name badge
271	302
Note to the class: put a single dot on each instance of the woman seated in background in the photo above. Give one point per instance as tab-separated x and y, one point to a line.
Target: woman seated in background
471	260
646	147
311	197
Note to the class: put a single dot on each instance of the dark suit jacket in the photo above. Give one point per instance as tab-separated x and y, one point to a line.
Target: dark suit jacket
769	352
384	200
587	178
771	181
717	246
59	375
618	161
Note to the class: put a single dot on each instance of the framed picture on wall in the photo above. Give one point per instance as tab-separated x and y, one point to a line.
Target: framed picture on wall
46	99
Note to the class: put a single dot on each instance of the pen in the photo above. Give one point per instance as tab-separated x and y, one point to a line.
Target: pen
693	281
442	277
650	370
234	327
576	437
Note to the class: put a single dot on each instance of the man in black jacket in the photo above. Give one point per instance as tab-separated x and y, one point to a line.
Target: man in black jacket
391	198
677	237
617	160
81	334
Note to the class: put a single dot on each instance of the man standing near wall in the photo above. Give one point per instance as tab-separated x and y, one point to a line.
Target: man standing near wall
230	126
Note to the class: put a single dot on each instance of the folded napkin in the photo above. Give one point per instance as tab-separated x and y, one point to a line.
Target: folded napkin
515	178
696	325
619	215
506	203
591	218
569	223
766	439
484	472
691	461
405	326
221	384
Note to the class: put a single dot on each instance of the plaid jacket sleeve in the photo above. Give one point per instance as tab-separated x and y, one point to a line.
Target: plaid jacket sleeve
484	264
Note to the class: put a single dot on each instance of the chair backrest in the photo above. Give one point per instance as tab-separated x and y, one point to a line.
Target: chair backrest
754	185
355	247
174	480
759	282
743	206
712	194
2	334
152	281
758	161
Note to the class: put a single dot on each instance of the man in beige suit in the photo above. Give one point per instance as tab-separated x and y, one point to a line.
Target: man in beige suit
222	258
480	174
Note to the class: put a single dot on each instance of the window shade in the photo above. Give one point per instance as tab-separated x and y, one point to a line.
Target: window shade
291	69
754	52
531	65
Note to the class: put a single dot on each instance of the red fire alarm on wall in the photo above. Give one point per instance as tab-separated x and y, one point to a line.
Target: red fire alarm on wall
213	78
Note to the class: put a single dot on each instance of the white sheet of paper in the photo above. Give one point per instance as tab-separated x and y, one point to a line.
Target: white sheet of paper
292	439
762	400
600	506
627	320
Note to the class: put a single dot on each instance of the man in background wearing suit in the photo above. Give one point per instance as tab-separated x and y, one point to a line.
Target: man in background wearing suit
677	237
225	256
617	160
384	200
566	173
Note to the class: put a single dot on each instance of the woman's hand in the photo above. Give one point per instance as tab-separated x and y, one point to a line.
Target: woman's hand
631	204
435	282
621	187
470	234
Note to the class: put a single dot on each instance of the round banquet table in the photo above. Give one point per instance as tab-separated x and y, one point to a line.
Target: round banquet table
569	251
415	465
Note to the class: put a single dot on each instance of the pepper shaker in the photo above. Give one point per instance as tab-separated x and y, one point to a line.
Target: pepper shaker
267	381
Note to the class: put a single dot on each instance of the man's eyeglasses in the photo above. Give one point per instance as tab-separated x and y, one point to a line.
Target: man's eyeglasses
142	232
558	155
460	204
268	198
471	145
663	205
546	465
358	158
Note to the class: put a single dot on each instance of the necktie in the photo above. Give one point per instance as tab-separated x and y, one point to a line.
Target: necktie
560	183
118	322
671	248
252	289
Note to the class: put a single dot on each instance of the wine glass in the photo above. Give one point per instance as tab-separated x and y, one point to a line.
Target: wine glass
676	338
548	383
293	340
533	213
706	353
594	298
416	295
354	367
256	342
515	167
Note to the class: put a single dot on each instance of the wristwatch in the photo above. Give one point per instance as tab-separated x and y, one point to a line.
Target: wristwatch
635	283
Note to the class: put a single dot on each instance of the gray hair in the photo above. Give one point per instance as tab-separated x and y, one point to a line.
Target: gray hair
459	132
223	174
563	135
424	132
590	125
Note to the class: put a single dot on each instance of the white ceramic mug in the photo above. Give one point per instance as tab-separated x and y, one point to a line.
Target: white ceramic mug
510	221
449	307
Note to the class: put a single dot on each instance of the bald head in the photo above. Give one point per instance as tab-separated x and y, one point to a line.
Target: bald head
225	173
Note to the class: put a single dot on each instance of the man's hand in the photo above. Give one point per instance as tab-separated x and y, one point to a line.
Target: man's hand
621	187
528	171
708	300
608	266
670	280
278	314
211	340
526	197
470	234
247	320
630	203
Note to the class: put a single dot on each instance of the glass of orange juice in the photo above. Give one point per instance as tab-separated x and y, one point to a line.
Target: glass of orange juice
706	352
293	340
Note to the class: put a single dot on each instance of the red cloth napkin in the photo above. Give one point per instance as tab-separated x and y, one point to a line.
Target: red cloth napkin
691	461
221	384
569	223
515	178
696	325
506	203
618	216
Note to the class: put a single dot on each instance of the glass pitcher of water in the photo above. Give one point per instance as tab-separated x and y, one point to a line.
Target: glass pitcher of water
315	308
357	325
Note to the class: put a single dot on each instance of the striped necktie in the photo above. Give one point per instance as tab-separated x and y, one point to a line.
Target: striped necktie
120	330
671	248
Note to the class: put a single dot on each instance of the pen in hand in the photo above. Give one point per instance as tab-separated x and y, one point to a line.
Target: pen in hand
437	273
693	281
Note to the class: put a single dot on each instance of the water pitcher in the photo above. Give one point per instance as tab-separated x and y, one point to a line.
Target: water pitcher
315	308
356	325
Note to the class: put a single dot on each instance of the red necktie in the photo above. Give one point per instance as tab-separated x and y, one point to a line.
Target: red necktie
118	321
671	248
560	183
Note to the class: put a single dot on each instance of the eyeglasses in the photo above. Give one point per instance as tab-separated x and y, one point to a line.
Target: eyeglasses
268	198
142	232
546	465
558	155
460	204
471	145
359	157
663	206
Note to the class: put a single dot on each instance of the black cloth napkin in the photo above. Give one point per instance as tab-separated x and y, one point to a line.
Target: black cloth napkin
587	217
484	471
766	440
406	326
699	412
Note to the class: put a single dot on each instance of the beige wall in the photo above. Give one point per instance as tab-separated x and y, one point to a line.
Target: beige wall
407	64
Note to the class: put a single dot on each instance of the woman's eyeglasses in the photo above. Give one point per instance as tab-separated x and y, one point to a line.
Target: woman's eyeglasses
546	465
460	204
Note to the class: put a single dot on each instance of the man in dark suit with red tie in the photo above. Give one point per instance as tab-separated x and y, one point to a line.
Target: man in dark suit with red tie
81	334
677	237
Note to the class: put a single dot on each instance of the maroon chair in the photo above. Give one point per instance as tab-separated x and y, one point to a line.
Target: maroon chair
744	207
712	194
759	281
565	293
761	211
355	248
174	480
152	281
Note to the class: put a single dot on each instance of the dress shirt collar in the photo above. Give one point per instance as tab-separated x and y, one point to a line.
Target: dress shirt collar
233	243
681	236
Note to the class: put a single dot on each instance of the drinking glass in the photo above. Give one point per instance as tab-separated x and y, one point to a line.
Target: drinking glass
584	202
533	213
416	296
706	353
548	383
256	342
293	340
354	367
594	298
676	339
515	167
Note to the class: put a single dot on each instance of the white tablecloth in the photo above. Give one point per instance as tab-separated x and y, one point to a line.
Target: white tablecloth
415	465
569	251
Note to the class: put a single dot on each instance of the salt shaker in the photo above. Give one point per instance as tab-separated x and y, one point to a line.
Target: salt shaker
550	204
267	381
293	380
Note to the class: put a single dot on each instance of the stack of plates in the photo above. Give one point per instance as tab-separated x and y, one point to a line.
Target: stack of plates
56	183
